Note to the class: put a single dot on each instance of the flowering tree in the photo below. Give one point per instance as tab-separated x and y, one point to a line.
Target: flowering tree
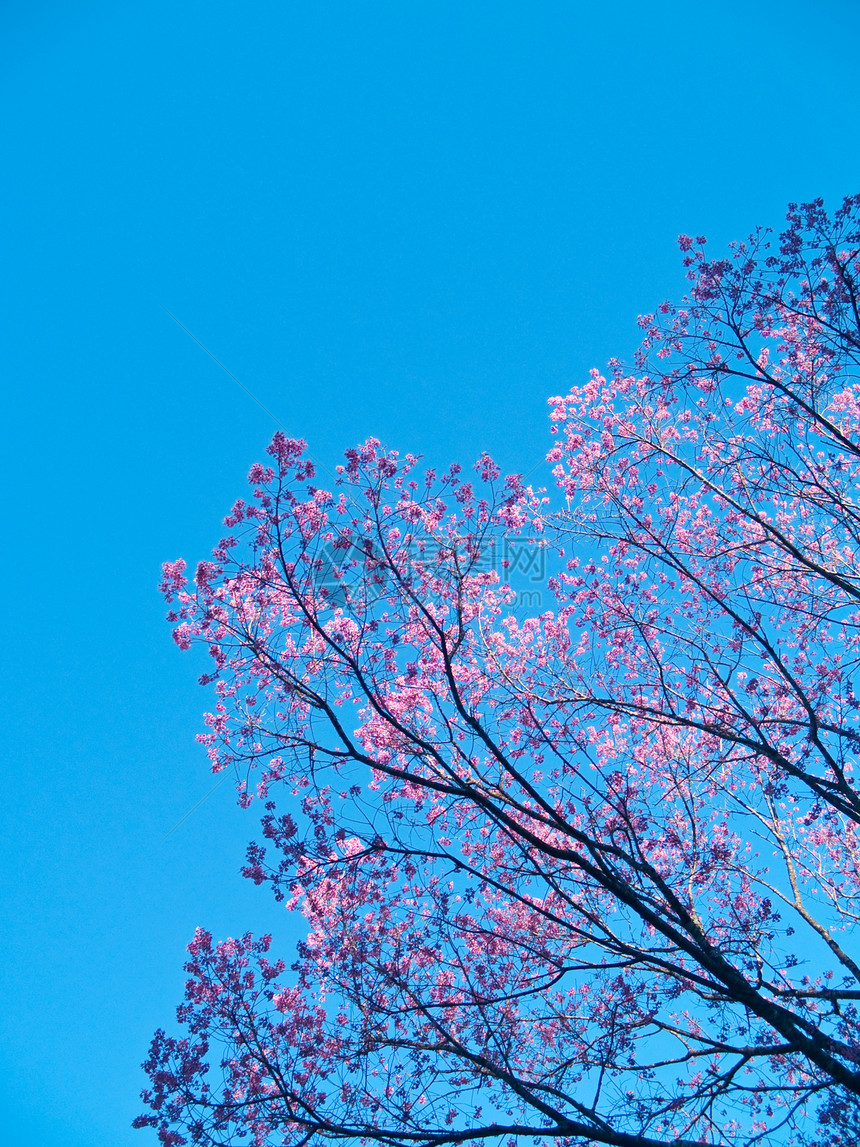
585	877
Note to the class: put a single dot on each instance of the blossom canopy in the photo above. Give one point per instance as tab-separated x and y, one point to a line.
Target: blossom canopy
582	875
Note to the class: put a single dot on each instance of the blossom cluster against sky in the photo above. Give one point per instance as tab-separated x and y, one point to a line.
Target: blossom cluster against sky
416	221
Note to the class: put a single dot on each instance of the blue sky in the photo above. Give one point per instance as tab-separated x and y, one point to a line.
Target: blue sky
406	219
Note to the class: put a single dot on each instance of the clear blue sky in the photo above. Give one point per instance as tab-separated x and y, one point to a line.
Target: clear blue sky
415	220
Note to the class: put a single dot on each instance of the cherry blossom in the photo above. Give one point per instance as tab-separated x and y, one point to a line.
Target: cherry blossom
583	876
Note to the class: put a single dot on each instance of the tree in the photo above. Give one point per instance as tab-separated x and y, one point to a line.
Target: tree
585	877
